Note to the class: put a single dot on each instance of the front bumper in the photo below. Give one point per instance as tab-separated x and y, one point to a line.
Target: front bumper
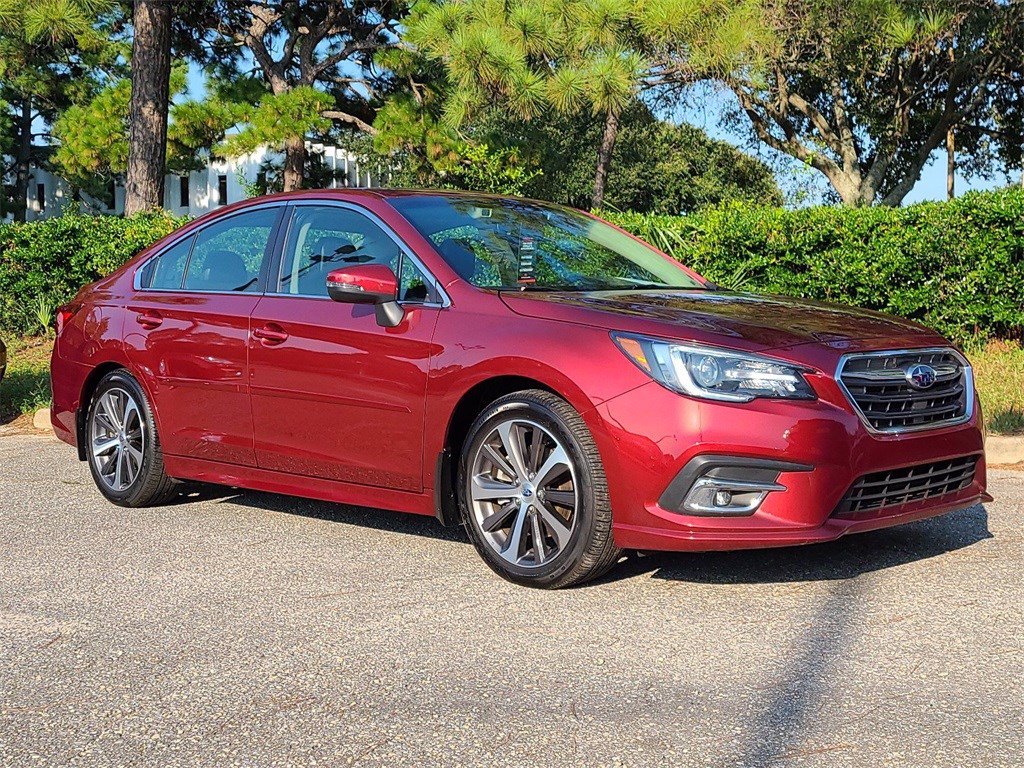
649	435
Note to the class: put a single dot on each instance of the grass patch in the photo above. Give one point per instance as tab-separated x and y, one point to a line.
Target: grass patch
998	368
999	372
26	386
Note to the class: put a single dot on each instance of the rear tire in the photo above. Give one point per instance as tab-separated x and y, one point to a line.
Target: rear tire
122	445
533	493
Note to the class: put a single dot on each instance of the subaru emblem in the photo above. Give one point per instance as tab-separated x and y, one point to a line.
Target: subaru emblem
920	376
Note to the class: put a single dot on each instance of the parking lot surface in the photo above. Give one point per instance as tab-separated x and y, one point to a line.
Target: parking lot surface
239	628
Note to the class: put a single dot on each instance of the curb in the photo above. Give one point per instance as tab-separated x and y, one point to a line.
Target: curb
41	420
1000	449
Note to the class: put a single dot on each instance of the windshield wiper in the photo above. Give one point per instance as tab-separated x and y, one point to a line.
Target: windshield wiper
605	287
654	287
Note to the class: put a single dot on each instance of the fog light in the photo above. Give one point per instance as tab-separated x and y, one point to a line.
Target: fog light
713	495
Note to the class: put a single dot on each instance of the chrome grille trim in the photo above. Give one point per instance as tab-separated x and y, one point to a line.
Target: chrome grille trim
896	487
888	405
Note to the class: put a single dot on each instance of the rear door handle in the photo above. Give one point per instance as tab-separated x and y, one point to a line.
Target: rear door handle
149	319
270	335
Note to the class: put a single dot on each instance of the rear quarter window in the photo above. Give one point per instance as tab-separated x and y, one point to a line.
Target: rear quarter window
167	271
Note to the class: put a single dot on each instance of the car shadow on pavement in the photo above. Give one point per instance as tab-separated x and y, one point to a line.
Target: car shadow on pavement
367	517
844	558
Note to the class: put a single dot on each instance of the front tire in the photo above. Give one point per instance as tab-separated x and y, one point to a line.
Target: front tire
122	445
533	493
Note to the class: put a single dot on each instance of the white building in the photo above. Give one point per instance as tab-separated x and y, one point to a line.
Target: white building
220	183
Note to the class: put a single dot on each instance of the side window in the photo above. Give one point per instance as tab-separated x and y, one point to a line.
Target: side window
324	238
167	270
412	285
228	254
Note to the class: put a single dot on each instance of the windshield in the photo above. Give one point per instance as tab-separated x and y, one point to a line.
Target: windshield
522	245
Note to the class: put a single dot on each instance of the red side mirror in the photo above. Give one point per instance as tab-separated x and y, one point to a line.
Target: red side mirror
362	284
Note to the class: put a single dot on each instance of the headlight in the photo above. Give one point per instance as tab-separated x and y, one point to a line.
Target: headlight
712	373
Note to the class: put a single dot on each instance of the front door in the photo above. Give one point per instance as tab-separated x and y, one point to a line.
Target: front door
334	394
187	332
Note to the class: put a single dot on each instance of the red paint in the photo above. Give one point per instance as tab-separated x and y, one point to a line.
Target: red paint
313	397
372	281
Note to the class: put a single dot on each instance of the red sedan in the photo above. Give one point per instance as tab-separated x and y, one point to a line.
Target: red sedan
553	384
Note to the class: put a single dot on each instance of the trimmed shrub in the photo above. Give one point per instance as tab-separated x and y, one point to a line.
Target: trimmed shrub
46	262
955	266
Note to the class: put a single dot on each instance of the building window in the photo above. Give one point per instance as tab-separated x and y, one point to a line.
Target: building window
183	192
41	196
222	190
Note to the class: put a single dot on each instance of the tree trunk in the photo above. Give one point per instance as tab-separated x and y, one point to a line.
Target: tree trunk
23	160
151	75
950	164
294	163
951	146
604	158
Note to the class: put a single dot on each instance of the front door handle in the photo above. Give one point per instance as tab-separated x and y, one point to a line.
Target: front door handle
149	319
270	335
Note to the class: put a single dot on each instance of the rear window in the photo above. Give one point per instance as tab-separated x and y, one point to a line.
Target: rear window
228	255
167	270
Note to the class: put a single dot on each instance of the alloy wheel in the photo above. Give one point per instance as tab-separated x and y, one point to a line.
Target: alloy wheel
117	439
523	493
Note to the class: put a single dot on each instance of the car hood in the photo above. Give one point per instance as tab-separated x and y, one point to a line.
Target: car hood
752	322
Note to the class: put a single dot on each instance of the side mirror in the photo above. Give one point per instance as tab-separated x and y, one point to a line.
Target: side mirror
368	284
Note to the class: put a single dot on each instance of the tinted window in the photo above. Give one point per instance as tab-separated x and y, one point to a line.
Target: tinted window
167	270
518	244
412	285
324	238
228	255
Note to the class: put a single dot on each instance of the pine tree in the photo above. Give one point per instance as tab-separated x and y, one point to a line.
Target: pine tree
567	55
48	53
316	59
150	101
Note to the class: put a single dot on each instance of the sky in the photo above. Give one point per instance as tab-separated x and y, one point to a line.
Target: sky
932	185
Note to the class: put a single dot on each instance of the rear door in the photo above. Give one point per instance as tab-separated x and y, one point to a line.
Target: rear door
335	395
187	333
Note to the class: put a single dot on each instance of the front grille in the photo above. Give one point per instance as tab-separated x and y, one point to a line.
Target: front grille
879	387
903	486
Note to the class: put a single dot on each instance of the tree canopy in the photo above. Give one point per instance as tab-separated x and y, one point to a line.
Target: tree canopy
865	91
559	99
657	167
531	56
52	54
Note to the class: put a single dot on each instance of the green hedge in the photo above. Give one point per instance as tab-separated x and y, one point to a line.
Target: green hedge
957	266
47	262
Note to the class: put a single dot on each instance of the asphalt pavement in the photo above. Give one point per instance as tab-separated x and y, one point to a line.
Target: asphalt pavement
240	628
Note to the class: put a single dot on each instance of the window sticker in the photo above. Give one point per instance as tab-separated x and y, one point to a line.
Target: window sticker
527	250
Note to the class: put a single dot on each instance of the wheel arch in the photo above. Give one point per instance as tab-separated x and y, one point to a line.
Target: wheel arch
468	407
92	380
